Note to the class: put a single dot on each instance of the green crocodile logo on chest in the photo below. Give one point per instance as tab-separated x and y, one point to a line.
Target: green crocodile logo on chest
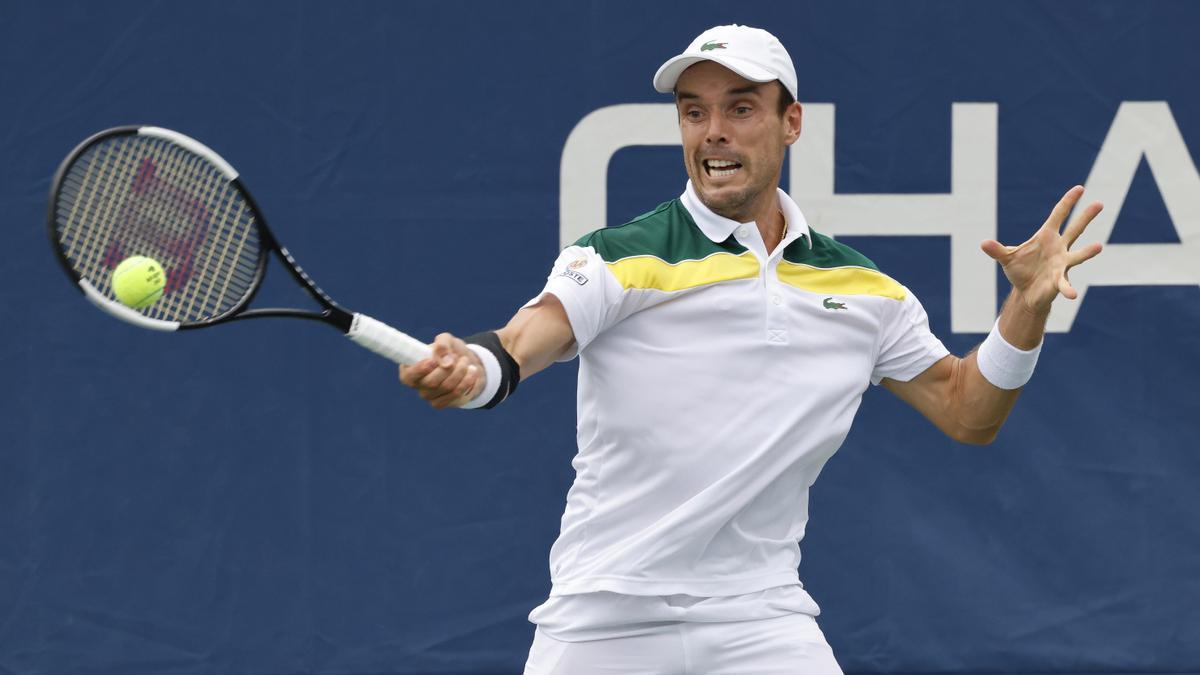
830	303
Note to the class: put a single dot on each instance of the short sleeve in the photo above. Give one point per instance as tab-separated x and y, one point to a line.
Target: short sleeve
587	290
906	347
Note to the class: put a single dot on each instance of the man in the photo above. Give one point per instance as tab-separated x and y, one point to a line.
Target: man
724	350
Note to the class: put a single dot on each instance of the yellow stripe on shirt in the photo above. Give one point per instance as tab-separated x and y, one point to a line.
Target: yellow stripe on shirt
645	271
840	280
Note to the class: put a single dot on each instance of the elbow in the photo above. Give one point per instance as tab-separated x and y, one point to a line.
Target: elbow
976	436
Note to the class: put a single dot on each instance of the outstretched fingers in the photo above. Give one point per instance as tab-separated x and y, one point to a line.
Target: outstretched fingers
1065	287
1063	208
1084	254
1038	267
997	251
1081	221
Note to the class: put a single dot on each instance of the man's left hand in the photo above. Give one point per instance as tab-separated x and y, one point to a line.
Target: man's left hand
1037	269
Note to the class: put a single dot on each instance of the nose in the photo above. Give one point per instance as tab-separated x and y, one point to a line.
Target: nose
718	129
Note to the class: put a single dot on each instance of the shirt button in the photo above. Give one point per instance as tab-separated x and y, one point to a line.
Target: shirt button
775	299
741	232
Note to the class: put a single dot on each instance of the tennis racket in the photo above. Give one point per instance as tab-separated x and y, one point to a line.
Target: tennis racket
157	193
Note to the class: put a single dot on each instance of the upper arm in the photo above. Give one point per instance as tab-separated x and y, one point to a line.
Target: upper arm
957	399
915	366
577	303
930	392
538	334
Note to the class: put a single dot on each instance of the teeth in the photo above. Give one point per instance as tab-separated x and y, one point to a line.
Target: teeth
721	167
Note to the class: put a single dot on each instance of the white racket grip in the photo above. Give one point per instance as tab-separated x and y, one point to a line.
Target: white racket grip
386	341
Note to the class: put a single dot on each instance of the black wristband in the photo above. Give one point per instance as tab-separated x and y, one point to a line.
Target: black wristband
510	372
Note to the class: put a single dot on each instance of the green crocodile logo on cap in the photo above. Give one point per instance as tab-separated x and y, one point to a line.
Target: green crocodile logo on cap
712	44
829	303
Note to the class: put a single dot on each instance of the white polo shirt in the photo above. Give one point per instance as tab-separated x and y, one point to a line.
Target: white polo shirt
715	381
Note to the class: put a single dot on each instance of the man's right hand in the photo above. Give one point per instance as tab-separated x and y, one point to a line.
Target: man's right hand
537	334
451	376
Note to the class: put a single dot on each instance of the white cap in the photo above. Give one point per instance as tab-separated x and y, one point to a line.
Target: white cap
752	53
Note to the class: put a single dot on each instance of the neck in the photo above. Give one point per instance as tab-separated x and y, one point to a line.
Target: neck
772	227
765	212
768	216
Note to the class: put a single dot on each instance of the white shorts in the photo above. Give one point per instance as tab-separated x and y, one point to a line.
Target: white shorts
785	645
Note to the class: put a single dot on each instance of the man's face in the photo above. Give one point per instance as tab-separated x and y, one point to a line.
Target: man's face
734	138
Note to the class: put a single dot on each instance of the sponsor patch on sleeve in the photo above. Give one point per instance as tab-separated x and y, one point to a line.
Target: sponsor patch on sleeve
572	273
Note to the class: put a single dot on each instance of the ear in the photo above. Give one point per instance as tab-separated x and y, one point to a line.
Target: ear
793	119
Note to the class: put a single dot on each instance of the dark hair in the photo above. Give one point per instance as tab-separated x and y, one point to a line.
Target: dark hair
785	98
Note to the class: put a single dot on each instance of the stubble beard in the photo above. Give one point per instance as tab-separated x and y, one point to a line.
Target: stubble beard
735	205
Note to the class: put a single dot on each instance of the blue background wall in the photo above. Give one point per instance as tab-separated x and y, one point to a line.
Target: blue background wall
265	497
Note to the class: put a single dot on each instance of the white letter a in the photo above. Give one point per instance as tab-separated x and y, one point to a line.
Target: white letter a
1139	129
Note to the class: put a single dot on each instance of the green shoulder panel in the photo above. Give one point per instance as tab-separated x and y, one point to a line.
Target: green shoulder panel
825	253
668	233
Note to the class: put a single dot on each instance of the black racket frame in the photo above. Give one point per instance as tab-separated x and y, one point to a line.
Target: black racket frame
331	312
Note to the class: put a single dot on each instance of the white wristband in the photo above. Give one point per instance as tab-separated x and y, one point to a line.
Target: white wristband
1004	365
491	374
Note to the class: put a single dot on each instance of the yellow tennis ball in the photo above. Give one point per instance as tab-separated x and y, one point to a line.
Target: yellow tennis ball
138	281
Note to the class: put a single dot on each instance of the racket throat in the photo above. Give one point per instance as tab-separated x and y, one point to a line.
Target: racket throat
334	316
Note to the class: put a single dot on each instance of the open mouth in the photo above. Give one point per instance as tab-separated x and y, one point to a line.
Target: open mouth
721	167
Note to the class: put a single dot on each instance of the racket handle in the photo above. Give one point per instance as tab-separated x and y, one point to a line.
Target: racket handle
386	341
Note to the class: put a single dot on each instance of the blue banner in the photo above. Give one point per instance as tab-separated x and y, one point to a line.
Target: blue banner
265	497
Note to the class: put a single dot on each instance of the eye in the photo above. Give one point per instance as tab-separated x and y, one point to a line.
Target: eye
742	110
693	114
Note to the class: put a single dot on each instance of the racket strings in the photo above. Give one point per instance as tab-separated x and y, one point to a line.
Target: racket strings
96	213
185	302
133	195
228	210
170	203
85	182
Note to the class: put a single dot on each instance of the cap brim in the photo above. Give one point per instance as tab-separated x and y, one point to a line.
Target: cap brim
669	72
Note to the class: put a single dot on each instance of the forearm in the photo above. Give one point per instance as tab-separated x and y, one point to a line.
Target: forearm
537	335
982	404
980	407
482	373
1022	326
969	398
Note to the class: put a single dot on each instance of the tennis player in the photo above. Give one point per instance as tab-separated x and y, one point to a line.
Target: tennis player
724	348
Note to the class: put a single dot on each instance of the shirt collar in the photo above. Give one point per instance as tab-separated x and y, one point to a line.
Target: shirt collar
719	228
